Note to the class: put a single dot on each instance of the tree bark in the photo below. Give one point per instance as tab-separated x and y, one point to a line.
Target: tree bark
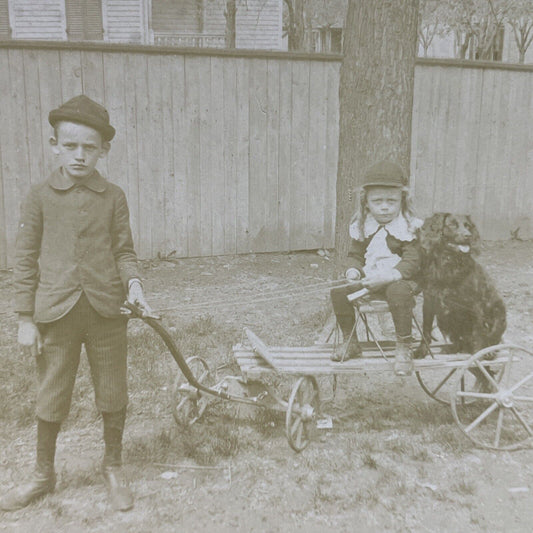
376	97
296	30
231	14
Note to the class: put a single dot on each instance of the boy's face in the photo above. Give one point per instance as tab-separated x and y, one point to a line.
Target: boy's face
384	203
78	148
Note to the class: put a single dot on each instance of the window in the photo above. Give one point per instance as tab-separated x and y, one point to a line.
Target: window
84	20
177	16
327	40
336	40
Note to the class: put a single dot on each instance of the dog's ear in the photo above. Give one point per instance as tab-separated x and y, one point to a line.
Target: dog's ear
430	234
475	243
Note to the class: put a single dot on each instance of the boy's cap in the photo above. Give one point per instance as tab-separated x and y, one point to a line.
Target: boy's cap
385	174
83	110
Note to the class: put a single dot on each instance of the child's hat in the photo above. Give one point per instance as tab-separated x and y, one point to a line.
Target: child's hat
385	174
83	110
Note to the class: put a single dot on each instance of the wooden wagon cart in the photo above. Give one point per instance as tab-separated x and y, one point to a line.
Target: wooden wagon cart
490	392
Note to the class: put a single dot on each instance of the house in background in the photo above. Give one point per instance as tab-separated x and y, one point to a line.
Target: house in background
258	23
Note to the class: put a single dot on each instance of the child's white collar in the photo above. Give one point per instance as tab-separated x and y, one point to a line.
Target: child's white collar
398	228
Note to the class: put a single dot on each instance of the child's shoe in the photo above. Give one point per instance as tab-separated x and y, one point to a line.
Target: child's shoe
347	350
403	357
41	482
120	496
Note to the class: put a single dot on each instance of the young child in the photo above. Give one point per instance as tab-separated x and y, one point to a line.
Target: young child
75	265
386	260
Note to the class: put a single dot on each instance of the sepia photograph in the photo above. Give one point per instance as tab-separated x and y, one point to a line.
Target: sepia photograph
266	266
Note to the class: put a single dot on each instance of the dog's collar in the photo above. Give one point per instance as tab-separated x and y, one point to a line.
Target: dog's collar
398	228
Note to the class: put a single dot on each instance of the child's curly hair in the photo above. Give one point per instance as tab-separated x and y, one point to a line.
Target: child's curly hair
360	215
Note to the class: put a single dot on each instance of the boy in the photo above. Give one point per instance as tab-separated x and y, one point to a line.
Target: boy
75	264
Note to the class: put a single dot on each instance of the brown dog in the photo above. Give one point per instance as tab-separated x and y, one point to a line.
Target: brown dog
457	290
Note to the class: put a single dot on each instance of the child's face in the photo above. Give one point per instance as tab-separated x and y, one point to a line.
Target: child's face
384	203
78	148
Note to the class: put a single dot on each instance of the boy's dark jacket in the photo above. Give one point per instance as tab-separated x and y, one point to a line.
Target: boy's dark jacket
73	237
409	251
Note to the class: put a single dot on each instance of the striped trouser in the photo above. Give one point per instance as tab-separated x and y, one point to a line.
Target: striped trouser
106	346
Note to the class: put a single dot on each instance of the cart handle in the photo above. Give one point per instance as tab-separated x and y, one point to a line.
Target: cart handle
154	322
357	294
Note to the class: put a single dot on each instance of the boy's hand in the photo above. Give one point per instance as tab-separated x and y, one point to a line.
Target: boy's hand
380	279
29	336
352	274
136	296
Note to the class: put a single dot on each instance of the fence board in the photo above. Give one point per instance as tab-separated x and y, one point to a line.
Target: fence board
272	155
243	155
230	156
71	75
331	153
177	210
167	164
192	139
115	102
203	64
284	165
140	86
5	171
299	155
49	65
131	165
258	228
216	158
154	179
34	137
16	150
317	179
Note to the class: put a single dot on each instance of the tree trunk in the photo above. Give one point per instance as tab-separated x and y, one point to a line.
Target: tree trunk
296	25
376	97
231	14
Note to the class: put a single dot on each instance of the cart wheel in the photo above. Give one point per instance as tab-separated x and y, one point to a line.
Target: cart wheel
496	412
439	384
302	412
188	405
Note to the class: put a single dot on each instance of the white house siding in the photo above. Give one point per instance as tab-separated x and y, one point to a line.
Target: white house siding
38	19
214	19
259	25
123	20
258	22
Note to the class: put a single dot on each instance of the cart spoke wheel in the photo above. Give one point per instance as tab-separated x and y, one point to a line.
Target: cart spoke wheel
302	413
187	406
496	410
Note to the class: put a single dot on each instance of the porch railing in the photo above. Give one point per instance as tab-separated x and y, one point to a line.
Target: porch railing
200	40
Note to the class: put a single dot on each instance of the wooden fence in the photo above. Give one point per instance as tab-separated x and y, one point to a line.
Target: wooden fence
223	153
472	143
218	153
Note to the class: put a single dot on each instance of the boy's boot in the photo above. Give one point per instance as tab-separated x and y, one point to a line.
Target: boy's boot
350	348
403	358
43	479
120	496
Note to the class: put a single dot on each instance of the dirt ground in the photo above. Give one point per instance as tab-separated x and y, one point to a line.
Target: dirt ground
395	462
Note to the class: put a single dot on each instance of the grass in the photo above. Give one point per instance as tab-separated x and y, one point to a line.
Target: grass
391	455
152	372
